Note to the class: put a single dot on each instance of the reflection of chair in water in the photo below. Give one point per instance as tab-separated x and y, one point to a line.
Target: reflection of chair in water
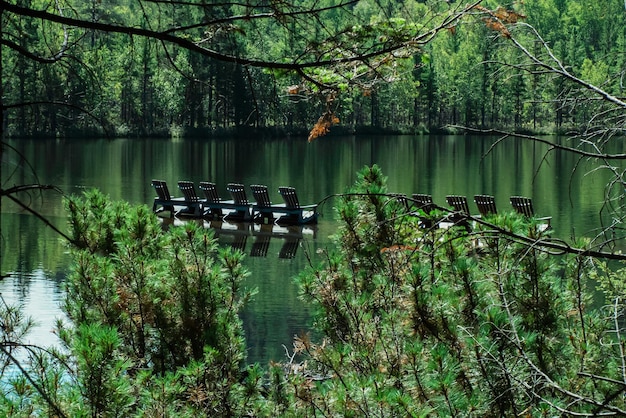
234	234
192	203
296	214
213	203
240	204
164	199
239	243
262	210
289	248
486	204
261	241
524	206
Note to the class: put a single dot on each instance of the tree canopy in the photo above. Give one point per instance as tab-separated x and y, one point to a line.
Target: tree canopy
206	64
161	67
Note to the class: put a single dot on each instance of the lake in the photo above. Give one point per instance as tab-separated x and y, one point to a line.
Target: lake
35	259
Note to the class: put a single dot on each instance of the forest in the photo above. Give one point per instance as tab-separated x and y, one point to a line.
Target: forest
276	68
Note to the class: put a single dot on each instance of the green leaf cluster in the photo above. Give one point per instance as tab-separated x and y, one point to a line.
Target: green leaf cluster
411	320
426	321
152	321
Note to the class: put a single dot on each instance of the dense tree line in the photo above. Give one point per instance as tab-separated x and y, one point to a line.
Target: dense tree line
64	80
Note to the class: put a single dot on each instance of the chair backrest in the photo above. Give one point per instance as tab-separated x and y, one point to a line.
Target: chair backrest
486	204
161	189
210	192
238	192
188	190
459	203
402	201
289	196
424	202
523	205
261	195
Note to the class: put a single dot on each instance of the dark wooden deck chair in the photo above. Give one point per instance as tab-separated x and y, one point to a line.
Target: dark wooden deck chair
461	210
263	211
486	204
164	199
296	214
424	202
213	203
524	206
240	205
405	205
192	204
459	203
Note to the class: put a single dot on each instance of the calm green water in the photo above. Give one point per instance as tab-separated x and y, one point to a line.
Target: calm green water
35	258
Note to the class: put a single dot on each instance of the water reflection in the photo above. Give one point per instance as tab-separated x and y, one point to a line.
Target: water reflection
238	234
560	185
39	297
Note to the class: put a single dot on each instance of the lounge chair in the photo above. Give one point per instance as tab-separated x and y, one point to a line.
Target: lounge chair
461	210
459	203
524	206
424	202
192	202
213	203
401	204
296	214
240	205
262	210
164	199
486	204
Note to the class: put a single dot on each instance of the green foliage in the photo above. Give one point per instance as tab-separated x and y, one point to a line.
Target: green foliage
380	81
153	321
101	373
412	319
426	321
170	296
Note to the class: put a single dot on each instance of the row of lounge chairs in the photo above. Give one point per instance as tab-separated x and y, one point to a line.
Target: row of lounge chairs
486	205
237	209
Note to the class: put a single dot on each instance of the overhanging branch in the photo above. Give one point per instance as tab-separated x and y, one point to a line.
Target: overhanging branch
166	36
